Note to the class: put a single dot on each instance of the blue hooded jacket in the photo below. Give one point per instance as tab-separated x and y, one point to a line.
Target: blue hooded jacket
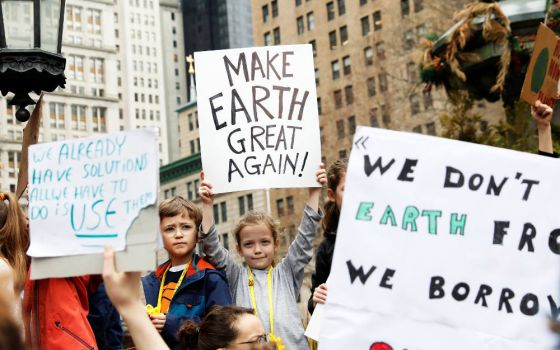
202	287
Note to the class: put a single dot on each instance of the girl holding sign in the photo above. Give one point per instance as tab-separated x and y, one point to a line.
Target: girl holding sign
336	177
270	289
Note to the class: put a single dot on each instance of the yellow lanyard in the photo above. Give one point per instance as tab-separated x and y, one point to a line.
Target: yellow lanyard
273	338
157	310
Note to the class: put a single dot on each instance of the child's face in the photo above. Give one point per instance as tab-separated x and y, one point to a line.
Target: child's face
257	246
179	235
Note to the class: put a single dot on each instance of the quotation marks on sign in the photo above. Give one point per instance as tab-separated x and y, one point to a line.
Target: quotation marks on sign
361	141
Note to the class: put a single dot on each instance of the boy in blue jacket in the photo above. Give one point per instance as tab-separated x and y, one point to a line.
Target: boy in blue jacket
185	286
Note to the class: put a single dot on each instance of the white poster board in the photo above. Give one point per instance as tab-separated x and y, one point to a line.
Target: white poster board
86	193
444	245
258	117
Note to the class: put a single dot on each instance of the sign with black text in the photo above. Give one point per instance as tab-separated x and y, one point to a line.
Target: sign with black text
257	111
444	245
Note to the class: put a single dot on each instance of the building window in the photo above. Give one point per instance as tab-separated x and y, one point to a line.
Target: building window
377	24
310	21
265	13
363	2
225	241
298	3
98	115
276	33
346	65
75	67
411	72
96	70
421	31
386	114
431	128
349	94
267	39
190	194
330	11
13	163
418	5
341	7
371	86
342	154
74	18
78	117
368	56
249	201
408	40
274	5
365	25
417	129
351	125
192	146
380	50
56	115
340	132
343	35
414	104
290	204
373	118
316	76
216	209
223	209
405	7
332	39
313	47
319	105
428	101
241	204
335	68
300	27
94	21
280	206
338	99
383	84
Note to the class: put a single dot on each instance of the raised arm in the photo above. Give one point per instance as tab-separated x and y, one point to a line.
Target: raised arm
124	291
542	114
214	250
301	249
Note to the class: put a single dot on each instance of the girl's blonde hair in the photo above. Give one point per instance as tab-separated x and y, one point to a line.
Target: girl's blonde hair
256	218
14	238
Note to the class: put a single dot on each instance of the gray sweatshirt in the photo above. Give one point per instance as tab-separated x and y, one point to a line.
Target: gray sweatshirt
287	277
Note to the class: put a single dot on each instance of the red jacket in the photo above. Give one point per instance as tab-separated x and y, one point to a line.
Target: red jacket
56	310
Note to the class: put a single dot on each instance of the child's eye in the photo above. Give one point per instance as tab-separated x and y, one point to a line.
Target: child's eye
186	227
248	245
266	242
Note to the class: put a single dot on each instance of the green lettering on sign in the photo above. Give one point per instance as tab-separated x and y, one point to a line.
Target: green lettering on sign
388	215
364	211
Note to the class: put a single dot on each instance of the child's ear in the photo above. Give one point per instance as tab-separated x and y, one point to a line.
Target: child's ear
331	195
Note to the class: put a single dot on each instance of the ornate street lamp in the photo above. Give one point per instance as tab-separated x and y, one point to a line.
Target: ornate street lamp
30	49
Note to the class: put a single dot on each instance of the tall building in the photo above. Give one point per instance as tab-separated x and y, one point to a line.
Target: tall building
366	71
215	25
124	70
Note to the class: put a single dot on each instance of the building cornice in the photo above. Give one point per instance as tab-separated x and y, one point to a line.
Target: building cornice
186	106
180	168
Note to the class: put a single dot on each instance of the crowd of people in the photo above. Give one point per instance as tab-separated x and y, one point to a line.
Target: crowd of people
191	302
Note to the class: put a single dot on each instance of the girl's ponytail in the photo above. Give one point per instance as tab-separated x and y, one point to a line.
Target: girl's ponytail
188	335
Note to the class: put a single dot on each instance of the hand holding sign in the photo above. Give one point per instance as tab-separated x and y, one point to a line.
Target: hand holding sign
542	114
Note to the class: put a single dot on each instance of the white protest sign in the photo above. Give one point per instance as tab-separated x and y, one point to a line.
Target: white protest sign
86	193
444	245
257	111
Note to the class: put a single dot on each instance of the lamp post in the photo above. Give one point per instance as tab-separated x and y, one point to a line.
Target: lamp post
30	50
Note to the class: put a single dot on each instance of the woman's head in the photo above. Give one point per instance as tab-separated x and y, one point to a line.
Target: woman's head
224	327
336	177
14	237
256	234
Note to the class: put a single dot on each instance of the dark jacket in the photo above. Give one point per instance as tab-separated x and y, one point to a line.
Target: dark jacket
105	321
323	262
203	287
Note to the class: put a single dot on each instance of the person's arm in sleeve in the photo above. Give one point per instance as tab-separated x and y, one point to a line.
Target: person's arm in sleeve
301	249
214	250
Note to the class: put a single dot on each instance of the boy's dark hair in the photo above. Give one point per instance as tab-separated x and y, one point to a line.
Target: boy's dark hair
335	173
217	329
178	206
256	218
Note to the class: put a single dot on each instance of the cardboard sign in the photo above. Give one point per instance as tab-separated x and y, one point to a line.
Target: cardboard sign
86	193
543	73
444	245
257	111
